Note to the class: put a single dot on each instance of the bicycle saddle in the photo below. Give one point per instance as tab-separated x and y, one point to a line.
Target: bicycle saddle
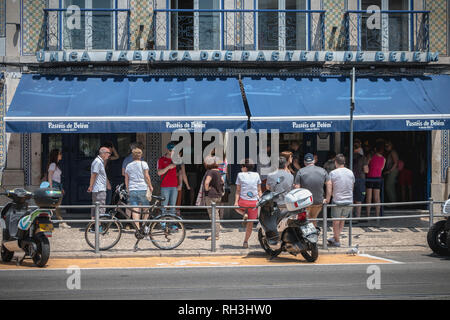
158	198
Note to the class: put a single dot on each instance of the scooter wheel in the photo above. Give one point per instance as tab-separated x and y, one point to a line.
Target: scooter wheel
42	253
6	254
312	253
437	239
265	245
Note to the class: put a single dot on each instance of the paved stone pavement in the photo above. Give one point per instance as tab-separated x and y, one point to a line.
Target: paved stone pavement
390	235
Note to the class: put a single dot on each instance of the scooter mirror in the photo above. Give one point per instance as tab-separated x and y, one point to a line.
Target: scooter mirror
44	185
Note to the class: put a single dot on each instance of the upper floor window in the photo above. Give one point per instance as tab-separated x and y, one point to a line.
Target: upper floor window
388	30
282	30
88	28
194	30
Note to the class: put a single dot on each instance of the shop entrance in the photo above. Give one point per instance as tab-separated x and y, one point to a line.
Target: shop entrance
412	148
79	150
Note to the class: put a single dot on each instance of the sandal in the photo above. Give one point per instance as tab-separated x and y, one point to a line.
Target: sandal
209	238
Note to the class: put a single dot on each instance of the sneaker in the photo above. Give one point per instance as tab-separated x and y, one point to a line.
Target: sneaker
146	229
335	244
64	225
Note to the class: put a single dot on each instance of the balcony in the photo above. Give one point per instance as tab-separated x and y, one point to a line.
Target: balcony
387	30
86	29
239	29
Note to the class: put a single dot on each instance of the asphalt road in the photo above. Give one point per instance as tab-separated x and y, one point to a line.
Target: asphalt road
418	276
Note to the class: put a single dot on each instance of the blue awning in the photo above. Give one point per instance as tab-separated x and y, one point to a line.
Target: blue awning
124	104
322	104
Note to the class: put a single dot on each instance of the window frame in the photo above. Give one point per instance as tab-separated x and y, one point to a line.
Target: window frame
196	27
88	26
384	28
282	25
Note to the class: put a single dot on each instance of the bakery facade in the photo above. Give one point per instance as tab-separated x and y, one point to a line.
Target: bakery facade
79	73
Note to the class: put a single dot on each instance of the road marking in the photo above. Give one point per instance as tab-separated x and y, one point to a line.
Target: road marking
196	262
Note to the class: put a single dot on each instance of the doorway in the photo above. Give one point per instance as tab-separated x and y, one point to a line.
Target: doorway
79	150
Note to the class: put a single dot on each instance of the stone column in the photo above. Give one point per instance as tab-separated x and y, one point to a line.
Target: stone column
439	157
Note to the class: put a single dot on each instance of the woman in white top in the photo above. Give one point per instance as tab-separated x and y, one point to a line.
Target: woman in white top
248	188
137	180
54	174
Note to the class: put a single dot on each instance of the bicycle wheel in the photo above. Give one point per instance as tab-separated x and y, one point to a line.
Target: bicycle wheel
167	235
109	234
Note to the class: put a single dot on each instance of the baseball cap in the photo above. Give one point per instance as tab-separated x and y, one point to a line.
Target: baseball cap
170	146
309	158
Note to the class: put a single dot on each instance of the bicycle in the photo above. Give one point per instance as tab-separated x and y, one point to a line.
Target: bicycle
164	235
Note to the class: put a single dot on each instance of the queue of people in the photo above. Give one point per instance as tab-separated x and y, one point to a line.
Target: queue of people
333	183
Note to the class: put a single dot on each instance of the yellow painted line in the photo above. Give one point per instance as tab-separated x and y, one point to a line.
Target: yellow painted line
208	261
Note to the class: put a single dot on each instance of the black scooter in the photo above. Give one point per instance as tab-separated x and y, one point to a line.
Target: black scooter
287	230
27	231
438	236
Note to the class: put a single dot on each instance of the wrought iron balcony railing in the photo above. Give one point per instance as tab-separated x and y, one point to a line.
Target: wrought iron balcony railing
86	29
238	29
387	30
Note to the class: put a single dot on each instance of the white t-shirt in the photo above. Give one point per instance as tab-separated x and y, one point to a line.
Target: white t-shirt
98	167
56	172
249	182
342	180
136	180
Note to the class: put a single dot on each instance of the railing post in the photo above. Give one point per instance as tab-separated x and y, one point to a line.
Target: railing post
350	229
213	227
324	226
431	209
97	215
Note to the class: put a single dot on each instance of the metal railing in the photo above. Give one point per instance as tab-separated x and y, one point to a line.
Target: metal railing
86	29
430	203
238	29
390	30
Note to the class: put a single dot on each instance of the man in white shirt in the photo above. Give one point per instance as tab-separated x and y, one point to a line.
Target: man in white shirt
99	182
342	180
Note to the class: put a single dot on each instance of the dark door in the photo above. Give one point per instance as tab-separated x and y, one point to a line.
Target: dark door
79	150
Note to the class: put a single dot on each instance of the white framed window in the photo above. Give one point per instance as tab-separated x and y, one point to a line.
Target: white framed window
195	30
282	30
385	31
88	30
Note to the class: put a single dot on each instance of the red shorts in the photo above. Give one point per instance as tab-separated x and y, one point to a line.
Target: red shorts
252	212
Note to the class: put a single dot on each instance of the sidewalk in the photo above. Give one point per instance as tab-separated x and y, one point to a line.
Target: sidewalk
391	235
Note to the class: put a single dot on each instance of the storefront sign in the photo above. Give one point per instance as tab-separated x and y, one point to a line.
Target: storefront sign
237	56
67	126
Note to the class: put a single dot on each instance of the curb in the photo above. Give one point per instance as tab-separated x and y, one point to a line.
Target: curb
240	253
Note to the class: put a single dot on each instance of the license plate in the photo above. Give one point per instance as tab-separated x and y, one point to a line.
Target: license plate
45	227
308	229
